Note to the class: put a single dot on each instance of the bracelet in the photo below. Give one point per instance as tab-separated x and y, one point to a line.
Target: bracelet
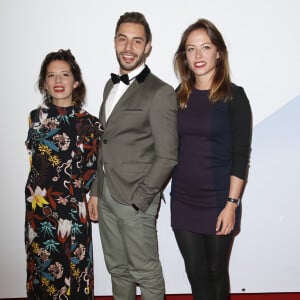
235	201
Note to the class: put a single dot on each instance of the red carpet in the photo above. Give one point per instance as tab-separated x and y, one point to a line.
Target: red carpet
277	296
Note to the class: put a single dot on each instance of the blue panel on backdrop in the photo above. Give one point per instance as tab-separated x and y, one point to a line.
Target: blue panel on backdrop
271	205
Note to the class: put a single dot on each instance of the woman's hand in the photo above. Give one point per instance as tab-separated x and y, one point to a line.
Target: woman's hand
93	208
226	219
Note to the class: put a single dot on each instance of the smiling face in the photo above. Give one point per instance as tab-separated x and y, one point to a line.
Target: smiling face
202	56
60	83
131	47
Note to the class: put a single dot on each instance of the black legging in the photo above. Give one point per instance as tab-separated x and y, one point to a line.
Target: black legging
206	260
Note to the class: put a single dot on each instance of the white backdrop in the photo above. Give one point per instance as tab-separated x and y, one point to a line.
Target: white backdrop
264	45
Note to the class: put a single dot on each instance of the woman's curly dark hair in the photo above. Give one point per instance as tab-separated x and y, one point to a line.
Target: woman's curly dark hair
78	95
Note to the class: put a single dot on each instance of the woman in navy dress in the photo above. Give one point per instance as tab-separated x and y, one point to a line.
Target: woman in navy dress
63	144
214	125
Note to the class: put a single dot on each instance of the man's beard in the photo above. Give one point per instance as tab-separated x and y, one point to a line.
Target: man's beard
130	68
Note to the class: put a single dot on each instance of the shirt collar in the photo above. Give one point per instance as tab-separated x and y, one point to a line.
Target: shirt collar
136	71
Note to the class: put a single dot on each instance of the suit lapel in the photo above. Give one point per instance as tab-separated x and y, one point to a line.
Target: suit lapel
122	101
126	96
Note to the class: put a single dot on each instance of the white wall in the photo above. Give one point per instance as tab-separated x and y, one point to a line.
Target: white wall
264	45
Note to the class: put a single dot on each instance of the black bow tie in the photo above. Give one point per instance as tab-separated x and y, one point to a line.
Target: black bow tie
116	78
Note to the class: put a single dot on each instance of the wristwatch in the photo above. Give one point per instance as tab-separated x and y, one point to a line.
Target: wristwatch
235	201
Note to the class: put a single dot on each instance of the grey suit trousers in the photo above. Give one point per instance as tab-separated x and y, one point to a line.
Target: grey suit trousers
129	242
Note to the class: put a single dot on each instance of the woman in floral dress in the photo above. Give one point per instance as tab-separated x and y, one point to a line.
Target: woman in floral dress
63	144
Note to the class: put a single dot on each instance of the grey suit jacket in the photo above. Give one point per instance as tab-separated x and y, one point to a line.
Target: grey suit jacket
140	142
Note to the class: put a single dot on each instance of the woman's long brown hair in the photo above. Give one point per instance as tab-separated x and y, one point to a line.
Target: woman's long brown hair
221	85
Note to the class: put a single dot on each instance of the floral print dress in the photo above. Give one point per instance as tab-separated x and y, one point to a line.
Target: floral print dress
63	146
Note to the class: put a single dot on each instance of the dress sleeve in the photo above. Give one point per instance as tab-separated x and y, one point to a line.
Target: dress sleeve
241	131
31	119
89	149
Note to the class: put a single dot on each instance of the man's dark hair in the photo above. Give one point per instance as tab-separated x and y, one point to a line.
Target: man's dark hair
137	18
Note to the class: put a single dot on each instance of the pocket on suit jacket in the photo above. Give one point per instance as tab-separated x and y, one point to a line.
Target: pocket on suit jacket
137	109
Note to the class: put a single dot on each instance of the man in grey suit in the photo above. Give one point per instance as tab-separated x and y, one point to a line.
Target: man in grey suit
137	154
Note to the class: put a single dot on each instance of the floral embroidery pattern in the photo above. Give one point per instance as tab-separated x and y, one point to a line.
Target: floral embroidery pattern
63	146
